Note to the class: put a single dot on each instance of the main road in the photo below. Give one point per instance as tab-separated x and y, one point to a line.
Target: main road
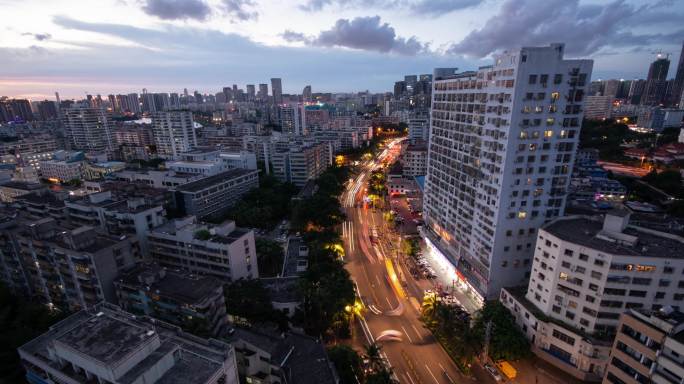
391	296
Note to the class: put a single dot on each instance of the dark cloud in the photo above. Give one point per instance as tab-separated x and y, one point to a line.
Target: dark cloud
241	10
38	36
177	9
586	29
431	8
363	33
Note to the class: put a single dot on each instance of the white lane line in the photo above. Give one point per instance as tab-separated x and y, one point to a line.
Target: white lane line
431	374
445	372
407	335
417	333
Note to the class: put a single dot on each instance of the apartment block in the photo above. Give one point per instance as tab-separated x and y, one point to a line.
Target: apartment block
215	194
68	267
175	296
501	149
648	348
224	251
104	344
586	273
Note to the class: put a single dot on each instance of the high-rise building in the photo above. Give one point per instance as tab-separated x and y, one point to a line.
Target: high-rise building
501	148
174	133
306	94
277	89
263	92
678	86
656	82
251	92
88	129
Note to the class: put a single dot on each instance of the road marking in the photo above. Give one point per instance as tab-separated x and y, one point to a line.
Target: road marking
445	372
407	335
417	333
431	374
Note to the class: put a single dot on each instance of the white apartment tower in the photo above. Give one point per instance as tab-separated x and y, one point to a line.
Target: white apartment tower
174	132
501	148
88	129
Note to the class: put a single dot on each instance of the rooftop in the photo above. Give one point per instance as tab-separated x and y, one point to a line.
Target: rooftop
206	182
583	230
179	286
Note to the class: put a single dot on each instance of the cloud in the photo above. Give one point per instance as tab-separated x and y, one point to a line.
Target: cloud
38	36
240	10
362	33
177	9
432	8
586	29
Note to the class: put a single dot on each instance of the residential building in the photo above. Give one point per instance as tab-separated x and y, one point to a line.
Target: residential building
88	129
268	357
174	133
586	272
104	344
215	194
223	251
501	150
648	348
175	296
414	160
66	266
598	107
300	163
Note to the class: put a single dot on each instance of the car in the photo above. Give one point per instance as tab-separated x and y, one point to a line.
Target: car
492	371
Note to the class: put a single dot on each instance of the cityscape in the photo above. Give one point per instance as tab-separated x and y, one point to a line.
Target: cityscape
237	192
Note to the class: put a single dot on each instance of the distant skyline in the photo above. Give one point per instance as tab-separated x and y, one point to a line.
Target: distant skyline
121	46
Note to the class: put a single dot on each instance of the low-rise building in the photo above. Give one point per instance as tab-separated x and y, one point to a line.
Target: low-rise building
104	344
585	273
224	251
215	194
181	298
648	348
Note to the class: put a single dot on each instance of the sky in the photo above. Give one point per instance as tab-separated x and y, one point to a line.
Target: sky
122	46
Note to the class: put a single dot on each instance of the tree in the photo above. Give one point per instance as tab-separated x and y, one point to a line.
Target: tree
270	257
347	363
506	340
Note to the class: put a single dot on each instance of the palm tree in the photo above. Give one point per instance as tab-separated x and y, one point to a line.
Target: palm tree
374	358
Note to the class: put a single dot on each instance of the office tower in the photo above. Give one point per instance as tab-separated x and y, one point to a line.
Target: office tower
306	94
678	86
134	103
16	109
251	94
174	101
198	98
88	129
104	344
47	110
174	133
277	89
502	144
263	92
586	272
656	82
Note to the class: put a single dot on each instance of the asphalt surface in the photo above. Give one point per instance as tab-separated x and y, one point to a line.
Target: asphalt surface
391	296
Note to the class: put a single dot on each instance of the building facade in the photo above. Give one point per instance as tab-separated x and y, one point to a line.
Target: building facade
502	145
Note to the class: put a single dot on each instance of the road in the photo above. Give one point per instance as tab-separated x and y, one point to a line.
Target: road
390	294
